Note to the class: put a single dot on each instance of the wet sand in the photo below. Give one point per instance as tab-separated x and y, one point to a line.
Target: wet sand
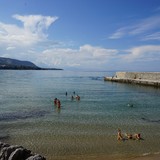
149	157
105	157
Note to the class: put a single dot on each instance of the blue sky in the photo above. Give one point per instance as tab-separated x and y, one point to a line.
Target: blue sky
82	34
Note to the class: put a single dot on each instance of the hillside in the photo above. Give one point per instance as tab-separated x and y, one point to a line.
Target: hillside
8	63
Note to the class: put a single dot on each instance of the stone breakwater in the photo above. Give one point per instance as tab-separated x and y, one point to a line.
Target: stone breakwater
13	152
142	78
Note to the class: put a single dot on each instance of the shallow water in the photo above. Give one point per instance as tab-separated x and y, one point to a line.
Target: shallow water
80	129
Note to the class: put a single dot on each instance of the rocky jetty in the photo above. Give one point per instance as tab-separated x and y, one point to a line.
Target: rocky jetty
14	152
141	78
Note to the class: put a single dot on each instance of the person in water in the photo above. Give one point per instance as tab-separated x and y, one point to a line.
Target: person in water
55	101
66	93
119	135
78	97
58	103
72	98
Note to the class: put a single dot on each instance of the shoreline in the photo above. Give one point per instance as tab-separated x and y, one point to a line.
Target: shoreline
148	157
155	156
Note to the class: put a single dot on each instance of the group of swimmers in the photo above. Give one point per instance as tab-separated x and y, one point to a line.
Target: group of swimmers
77	97
58	103
136	136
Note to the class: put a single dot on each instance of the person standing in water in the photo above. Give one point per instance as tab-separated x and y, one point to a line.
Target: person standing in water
58	103
55	101
72	98
78	97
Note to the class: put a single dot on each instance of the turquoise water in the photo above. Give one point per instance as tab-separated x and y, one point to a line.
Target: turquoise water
80	129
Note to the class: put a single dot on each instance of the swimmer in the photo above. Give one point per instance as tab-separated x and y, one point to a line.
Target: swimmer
130	105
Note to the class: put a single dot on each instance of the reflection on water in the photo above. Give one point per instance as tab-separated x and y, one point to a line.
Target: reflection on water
79	128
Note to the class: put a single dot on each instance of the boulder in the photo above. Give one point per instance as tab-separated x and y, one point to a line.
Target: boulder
14	152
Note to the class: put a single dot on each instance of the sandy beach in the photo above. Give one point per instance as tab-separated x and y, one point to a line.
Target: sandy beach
106	157
149	157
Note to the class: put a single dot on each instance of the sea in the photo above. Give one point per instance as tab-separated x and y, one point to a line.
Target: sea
84	129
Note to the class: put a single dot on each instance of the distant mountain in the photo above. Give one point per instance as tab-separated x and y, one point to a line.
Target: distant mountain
8	63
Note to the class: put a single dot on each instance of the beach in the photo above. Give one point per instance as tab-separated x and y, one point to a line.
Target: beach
149	157
155	156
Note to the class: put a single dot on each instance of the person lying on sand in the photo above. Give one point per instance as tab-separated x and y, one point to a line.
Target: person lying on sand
136	136
129	136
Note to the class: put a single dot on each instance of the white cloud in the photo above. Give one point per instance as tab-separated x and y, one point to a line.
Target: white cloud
10	48
35	23
97	51
145	25
154	36
86	56
119	33
143	53
32	32
148	24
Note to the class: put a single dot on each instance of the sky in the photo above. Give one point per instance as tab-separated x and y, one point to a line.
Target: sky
93	35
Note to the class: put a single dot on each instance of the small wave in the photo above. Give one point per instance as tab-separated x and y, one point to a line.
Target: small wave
4	137
146	154
1	97
22	115
96	78
149	120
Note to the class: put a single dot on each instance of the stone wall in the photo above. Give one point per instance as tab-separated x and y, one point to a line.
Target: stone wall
154	76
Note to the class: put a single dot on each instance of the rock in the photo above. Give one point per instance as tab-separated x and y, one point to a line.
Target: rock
20	154
11	152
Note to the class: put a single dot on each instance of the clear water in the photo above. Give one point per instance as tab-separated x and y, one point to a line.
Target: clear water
80	129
